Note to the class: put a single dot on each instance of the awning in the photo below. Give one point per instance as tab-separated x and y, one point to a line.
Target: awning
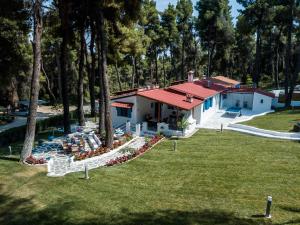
125	105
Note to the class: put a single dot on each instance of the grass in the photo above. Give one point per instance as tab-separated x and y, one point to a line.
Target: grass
278	121
213	178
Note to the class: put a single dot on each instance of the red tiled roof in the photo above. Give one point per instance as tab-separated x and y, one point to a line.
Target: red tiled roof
225	80
213	86
126	105
194	89
170	98
251	90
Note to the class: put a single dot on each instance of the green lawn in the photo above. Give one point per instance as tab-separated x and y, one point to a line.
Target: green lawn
213	178
278	121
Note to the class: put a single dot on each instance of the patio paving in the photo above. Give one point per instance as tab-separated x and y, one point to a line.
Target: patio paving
220	117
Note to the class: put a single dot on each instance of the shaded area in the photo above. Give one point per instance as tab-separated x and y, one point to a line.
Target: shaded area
22	211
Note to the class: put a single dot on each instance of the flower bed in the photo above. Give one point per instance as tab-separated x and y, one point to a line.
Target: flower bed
101	150
135	153
34	161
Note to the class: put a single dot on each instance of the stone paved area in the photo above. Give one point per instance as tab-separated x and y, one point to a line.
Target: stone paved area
220	117
60	166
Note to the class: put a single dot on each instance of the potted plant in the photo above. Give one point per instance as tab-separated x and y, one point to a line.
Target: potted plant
183	124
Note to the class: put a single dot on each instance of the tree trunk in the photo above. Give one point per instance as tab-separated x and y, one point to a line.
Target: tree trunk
182	59
57	57
164	69
137	71
156	68
277	59
288	58
49	89
34	92
106	91
295	76
151	72
211	49
101	93
133	72
257	67
92	71
118	76
80	111
64	8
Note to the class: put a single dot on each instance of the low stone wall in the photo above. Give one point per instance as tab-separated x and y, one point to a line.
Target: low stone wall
264	133
60	166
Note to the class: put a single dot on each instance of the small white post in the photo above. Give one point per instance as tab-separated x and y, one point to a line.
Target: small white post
268	208
138	129
128	127
86	172
175	145
10	152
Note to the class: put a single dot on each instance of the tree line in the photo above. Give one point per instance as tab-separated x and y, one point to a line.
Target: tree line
77	51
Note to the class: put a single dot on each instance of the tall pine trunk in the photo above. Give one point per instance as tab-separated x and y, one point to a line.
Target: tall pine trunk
106	91
257	67
100	83
64	11
288	59
35	86
57	59
156	68
92	74
80	111
133	76
182	58
118	75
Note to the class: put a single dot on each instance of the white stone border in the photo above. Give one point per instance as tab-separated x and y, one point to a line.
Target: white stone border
60	166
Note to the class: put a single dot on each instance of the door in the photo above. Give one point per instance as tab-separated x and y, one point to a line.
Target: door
157	111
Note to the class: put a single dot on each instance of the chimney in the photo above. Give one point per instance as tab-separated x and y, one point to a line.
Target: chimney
189	98
207	83
191	76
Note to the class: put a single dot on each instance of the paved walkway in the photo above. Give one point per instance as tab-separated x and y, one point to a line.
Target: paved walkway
264	133
231	123
220	117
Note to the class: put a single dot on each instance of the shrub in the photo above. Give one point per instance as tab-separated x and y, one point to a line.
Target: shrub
134	153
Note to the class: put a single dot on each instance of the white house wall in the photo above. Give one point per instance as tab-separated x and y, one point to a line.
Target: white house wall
259	107
119	120
144	108
233	98
211	111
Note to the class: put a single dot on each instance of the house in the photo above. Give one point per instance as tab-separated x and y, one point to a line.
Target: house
179	109
225	82
253	99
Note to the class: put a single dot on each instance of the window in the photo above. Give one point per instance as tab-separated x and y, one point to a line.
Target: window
261	101
208	103
224	96
123	112
170	107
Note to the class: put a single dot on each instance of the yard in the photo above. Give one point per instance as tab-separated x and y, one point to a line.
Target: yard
212	178
278	121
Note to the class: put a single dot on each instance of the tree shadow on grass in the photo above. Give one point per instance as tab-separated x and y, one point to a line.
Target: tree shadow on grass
22	211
